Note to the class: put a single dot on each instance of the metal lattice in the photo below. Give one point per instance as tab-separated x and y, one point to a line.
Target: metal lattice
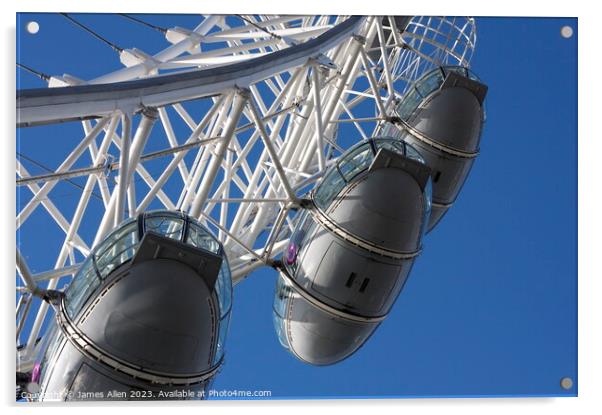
269	103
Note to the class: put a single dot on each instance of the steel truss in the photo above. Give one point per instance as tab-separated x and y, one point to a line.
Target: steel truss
277	92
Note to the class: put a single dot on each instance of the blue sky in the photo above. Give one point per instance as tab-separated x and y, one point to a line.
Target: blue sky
491	305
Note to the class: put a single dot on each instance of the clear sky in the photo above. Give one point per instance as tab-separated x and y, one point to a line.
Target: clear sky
491	305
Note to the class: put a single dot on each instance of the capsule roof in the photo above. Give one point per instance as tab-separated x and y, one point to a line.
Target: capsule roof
121	245
356	160
431	82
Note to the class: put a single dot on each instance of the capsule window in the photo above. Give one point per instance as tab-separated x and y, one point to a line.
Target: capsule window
393	145
166	225
413	154
331	186
356	161
221	339
122	248
437	176
460	70
409	104
223	287
283	293
430	83
201	238
80	288
124	231
297	241
55	339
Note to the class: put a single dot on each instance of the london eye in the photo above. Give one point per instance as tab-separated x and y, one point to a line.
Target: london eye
249	141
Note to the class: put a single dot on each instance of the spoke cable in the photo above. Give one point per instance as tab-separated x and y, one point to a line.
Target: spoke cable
142	22
39	74
92	32
23	156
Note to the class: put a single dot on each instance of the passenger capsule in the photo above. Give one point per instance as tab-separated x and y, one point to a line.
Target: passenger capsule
145	317
352	250
442	117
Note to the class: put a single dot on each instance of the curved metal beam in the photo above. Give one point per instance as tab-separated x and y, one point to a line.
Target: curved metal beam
52	105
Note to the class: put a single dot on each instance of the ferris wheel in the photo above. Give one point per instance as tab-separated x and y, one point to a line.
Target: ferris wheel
270	103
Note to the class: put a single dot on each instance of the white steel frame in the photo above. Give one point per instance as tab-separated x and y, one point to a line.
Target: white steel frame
312	85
